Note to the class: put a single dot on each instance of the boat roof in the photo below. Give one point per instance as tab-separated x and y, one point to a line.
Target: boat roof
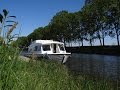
47	42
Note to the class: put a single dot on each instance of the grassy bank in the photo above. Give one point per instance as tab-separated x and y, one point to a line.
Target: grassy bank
16	74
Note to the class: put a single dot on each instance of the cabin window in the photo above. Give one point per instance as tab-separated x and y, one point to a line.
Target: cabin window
46	47
39	48
36	48
61	47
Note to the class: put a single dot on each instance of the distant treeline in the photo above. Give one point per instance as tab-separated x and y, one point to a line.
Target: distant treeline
94	21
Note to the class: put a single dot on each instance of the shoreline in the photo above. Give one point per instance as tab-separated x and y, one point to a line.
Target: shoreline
102	50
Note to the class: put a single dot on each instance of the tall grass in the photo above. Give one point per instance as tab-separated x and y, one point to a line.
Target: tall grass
16	74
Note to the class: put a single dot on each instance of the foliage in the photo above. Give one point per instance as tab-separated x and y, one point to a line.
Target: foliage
21	42
59	25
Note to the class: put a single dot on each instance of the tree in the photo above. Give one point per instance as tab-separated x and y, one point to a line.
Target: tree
88	23
80	33
113	16
72	29
21	42
36	34
59	25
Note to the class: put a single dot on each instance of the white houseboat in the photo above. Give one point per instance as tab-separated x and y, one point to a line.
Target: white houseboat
50	49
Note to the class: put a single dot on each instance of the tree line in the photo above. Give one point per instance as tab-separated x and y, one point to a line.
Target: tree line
95	21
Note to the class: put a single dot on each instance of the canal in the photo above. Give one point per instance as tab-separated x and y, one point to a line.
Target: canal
98	66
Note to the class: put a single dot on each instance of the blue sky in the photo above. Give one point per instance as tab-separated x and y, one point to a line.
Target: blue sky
32	14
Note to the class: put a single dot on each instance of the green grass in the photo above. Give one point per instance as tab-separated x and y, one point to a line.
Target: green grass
16	74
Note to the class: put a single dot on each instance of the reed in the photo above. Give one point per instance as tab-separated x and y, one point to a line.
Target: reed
11	29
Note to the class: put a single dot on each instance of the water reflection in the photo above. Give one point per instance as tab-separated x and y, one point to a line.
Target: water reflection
103	66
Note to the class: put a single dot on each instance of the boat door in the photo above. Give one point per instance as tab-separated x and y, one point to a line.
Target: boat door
54	48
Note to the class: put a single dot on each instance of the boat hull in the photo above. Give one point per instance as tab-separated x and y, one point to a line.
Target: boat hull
57	57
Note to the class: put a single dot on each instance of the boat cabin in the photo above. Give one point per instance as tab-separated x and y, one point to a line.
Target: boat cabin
46	47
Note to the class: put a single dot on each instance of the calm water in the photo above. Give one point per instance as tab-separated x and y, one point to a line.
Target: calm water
103	66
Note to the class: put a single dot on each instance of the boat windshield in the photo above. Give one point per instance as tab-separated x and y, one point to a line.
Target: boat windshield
37	48
61	47
46	47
